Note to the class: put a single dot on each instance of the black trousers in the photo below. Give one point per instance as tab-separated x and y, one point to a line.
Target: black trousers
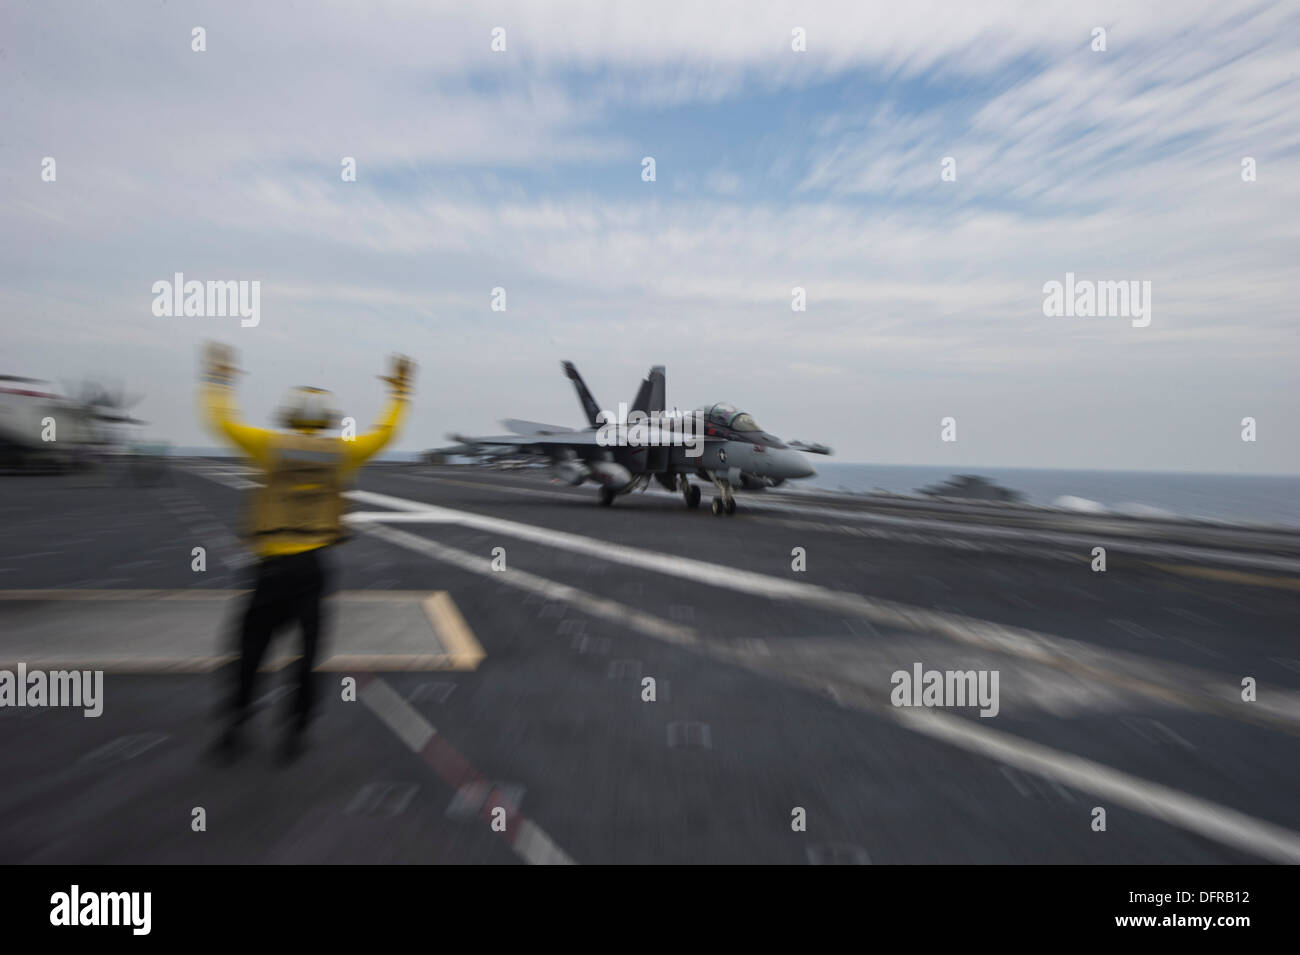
286	590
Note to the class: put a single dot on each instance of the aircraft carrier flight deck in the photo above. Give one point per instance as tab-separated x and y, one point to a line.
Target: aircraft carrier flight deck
515	673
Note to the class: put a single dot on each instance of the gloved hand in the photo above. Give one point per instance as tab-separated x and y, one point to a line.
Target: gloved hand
219	363
402	376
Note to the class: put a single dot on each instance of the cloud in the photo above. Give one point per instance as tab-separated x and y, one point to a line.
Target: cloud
777	169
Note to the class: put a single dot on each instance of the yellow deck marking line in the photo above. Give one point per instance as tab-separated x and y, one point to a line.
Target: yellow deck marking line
73	594
460	648
466	652
337	663
1234	576
352	596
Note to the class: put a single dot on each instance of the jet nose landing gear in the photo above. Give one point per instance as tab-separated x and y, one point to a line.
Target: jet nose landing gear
724	502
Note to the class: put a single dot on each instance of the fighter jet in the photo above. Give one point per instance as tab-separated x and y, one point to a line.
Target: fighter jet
717	443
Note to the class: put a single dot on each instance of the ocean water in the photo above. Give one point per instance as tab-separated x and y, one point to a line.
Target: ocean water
1223	497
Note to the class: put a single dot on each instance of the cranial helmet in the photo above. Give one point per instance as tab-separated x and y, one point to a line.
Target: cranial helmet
307	409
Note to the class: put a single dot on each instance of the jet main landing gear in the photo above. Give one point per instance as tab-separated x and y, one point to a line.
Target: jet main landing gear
690	493
724	501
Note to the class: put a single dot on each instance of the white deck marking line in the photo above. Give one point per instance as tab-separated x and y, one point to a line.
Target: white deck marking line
1165	681
552	590
1217	822
528	840
400	517
536	847
1199	816
398	715
530	490
964	532
1084	542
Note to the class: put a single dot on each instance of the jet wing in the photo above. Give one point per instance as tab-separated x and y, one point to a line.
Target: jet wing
810	447
586	439
519	426
570	444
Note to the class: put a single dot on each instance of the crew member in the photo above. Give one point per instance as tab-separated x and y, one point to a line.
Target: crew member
296	513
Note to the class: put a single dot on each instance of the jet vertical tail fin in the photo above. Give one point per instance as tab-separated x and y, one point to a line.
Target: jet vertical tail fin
589	406
650	396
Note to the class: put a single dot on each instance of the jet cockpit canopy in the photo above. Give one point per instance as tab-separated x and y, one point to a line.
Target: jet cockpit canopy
728	416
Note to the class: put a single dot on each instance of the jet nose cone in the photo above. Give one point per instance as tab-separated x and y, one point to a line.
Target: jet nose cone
797	466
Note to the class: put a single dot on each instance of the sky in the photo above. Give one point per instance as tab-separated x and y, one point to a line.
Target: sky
775	168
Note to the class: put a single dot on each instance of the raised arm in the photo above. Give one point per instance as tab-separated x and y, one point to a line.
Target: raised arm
217	399
399	396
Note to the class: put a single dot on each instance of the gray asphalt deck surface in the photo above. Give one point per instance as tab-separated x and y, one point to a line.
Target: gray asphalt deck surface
794	692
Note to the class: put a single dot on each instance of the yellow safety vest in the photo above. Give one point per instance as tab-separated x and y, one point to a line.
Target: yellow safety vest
300	507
